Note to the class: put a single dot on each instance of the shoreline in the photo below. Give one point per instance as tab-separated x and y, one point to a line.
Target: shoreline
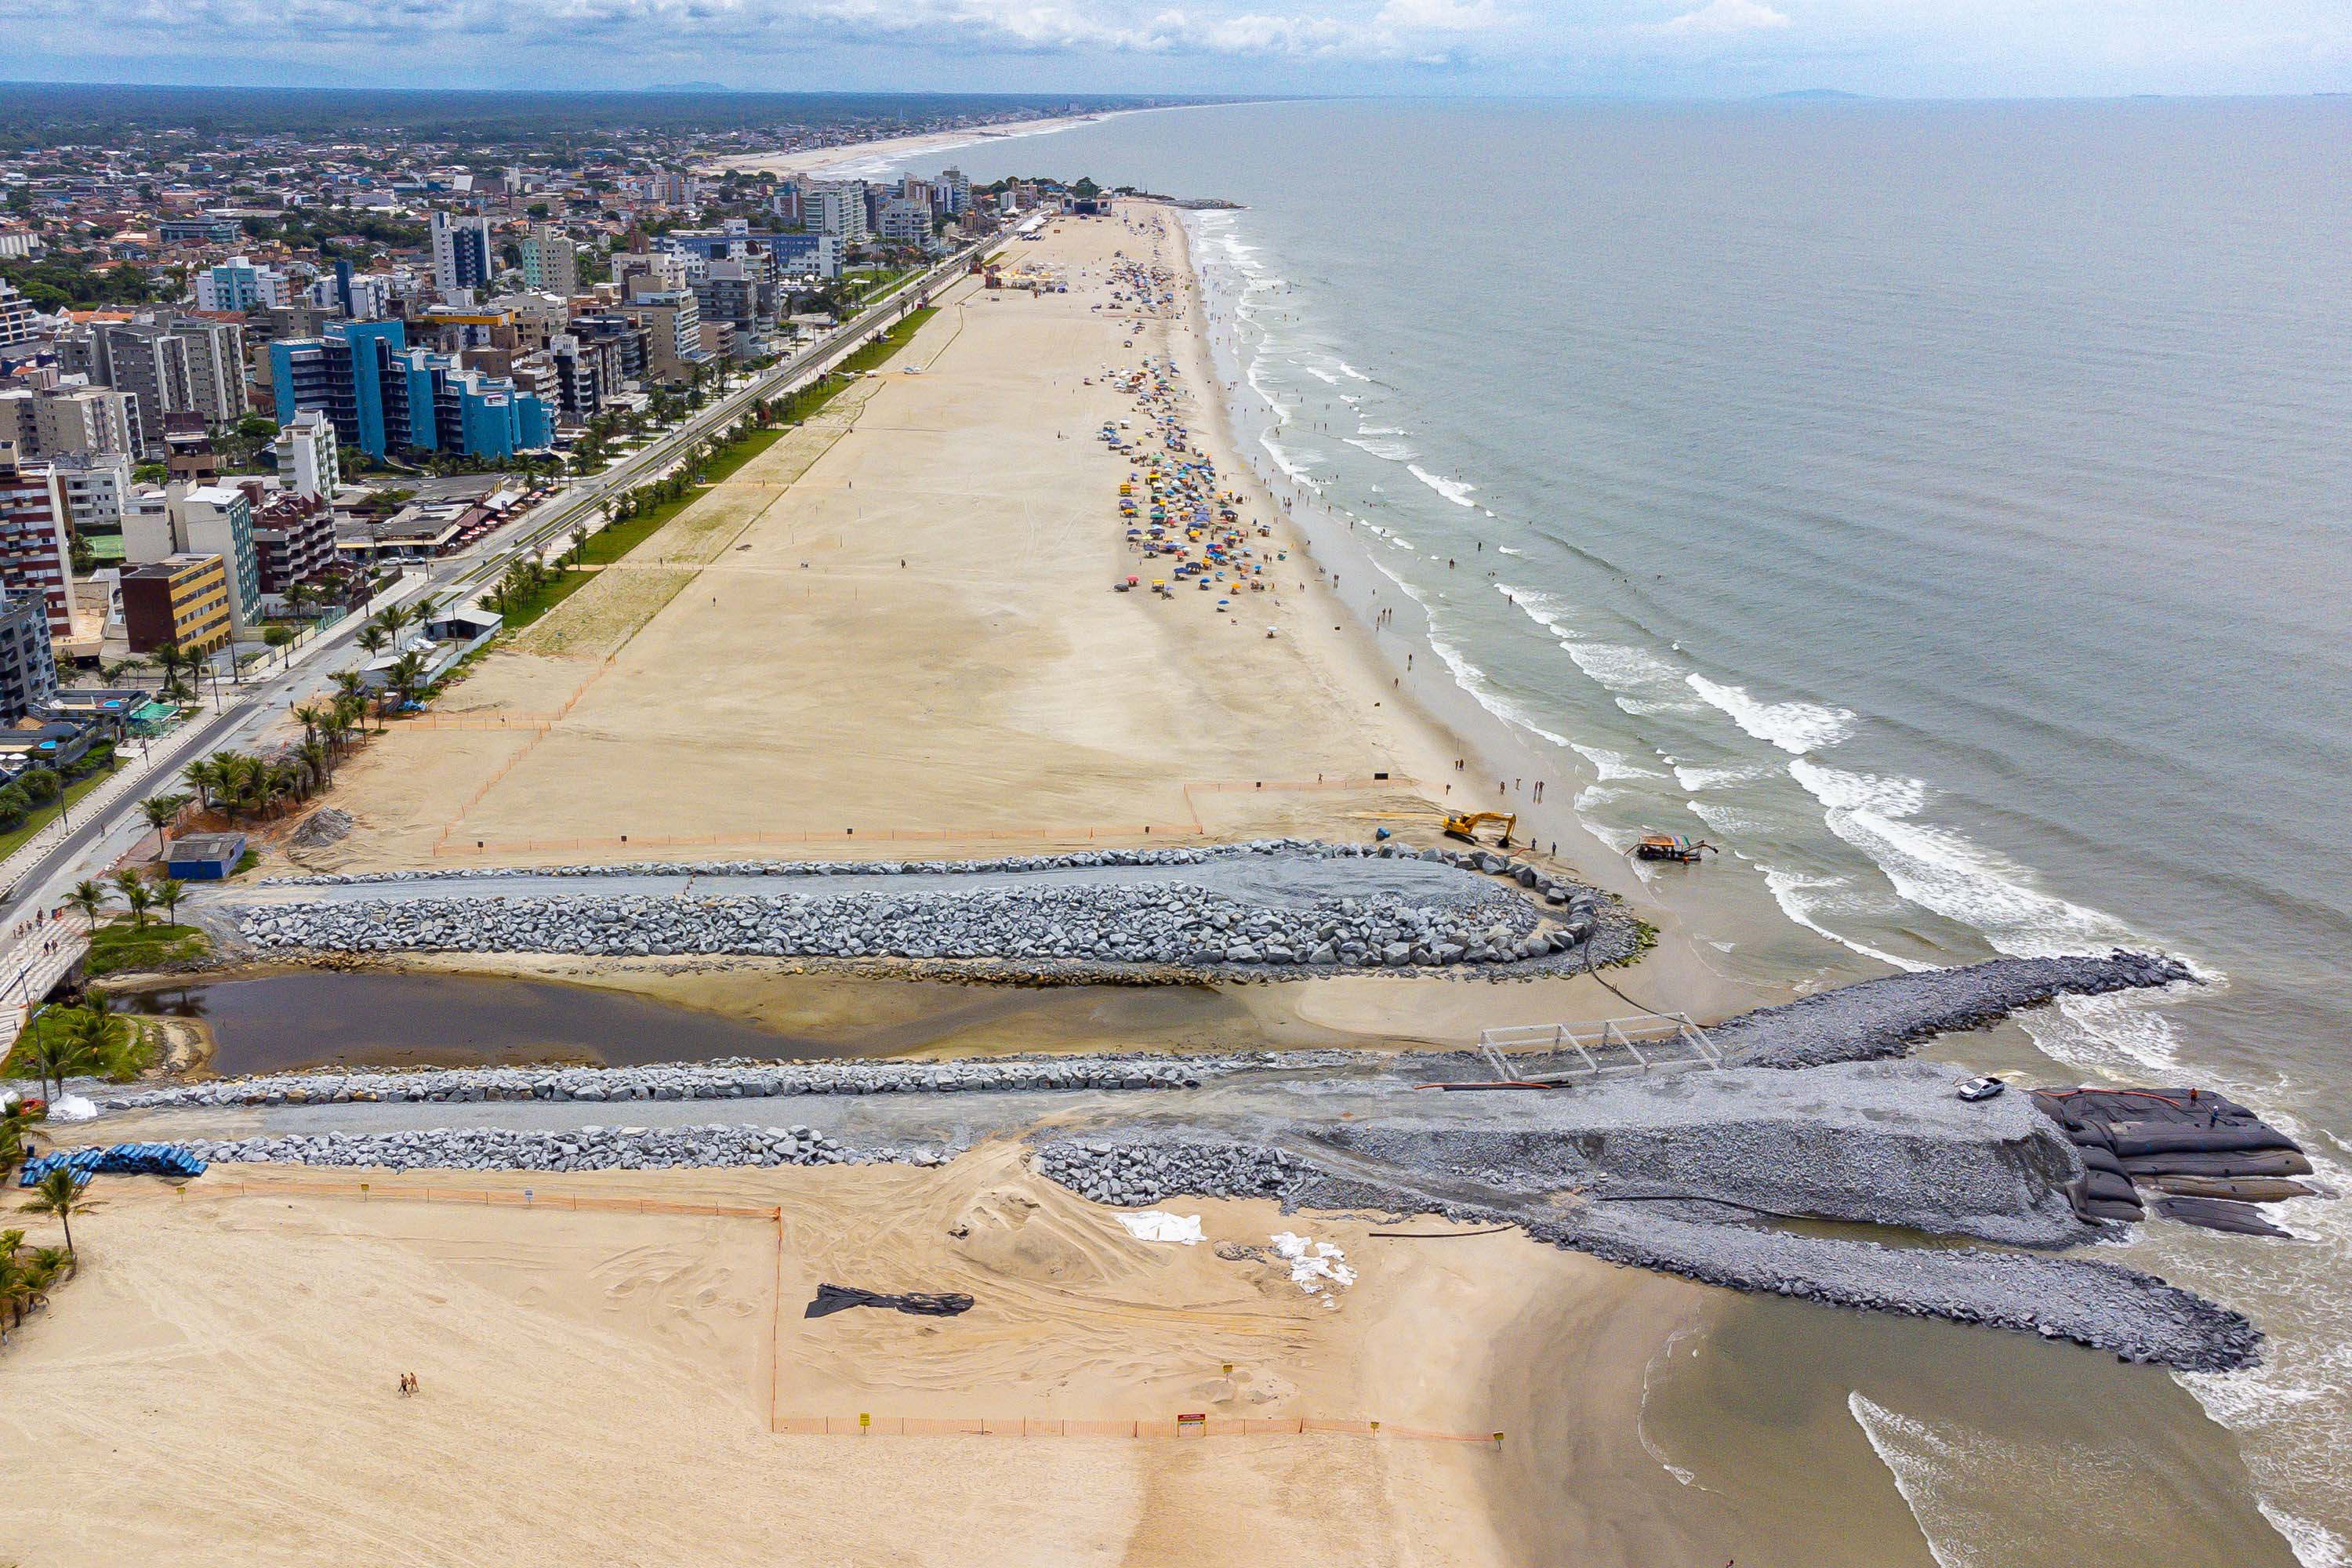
1482	737
816	161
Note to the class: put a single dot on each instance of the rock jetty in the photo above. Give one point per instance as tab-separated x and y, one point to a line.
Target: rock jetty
1506	912
572	1149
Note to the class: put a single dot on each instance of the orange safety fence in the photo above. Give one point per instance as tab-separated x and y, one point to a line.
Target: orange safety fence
378	1190
1153	1426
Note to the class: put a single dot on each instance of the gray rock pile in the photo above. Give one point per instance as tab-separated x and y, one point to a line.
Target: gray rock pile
712	1081
1466	859
579	1149
1138	1174
323	826
2134	1315
1107	922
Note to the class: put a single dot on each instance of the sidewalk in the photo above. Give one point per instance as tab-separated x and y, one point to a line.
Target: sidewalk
27	973
162	763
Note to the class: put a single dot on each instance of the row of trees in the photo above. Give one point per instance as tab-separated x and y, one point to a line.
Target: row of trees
140	894
78	1042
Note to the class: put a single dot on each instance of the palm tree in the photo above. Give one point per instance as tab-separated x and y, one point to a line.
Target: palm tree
16	1143
169	891
59	1194
204	774
136	896
88	895
281	781
104	1041
57	1052
372	638
18	1291
172	658
161	810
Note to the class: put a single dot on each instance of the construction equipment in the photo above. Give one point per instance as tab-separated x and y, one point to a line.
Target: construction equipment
1672	847
1464	826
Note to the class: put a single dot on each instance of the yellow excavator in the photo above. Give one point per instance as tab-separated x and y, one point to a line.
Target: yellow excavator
1465	825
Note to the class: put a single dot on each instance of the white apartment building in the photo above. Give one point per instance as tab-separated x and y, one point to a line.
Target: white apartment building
238	285
96	485
15	316
309	463
463	258
836	210
904	220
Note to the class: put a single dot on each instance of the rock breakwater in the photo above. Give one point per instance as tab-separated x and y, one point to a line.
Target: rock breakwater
572	1149
1886	1016
1304	911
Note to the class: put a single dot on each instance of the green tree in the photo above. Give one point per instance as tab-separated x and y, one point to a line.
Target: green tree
56	1051
88	895
161	810
136	896
59	1194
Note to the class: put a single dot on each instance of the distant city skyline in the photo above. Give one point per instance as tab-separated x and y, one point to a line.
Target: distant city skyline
1644	48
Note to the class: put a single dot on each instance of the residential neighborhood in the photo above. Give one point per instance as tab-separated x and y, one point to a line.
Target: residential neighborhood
244	378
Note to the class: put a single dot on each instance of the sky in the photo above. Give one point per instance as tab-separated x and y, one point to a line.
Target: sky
1958	48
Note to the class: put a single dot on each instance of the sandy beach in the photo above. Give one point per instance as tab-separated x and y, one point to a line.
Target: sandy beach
895	628
598	1386
821	161
894	633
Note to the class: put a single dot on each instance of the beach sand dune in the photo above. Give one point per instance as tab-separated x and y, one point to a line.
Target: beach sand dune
597	1385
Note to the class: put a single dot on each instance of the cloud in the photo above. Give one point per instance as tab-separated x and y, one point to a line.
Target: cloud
1339	30
1721	19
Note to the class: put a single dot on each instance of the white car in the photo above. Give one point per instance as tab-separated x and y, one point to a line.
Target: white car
1978	1089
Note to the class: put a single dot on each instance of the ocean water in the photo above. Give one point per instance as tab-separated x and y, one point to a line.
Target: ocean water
1945	509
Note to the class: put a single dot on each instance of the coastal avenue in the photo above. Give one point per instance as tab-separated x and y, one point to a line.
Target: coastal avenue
243	712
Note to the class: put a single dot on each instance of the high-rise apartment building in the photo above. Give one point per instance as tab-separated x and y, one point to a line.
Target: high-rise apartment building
215	353
239	285
46	420
381	394
35	539
838	209
29	665
463	258
551	261
308	455
15	316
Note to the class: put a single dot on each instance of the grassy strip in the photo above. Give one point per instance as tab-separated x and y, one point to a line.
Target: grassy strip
116	948
890	342
42	815
611	543
544	598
